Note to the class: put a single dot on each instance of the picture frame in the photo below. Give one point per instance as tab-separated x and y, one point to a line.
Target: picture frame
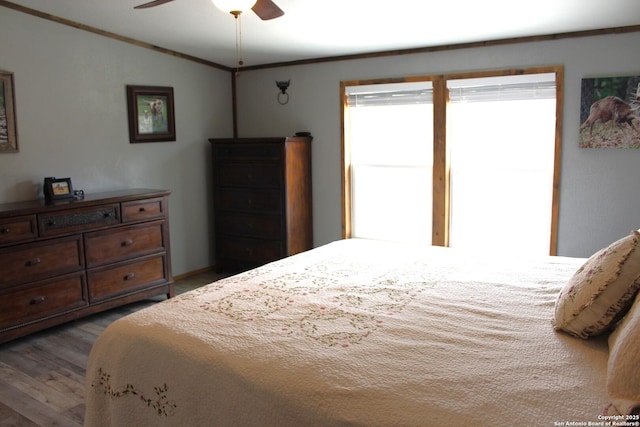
57	188
8	124
609	112
151	114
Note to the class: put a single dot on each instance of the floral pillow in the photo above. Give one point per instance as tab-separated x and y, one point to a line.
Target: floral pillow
623	371
601	291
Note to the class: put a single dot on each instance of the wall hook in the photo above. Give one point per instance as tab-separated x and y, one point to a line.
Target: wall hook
283	96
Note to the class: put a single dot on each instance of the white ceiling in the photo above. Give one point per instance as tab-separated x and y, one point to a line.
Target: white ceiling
321	28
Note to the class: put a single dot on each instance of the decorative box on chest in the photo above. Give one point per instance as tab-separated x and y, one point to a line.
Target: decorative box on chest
262	200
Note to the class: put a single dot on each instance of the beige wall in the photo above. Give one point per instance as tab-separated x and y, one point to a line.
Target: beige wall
72	122
598	195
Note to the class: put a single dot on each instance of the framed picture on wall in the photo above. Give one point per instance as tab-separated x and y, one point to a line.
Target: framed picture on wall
610	112
8	127
151	114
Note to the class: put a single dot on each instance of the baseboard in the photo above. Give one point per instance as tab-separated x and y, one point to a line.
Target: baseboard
193	273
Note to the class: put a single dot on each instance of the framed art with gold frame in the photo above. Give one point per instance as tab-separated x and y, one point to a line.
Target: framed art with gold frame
8	126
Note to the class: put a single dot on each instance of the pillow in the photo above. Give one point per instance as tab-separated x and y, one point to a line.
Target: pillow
623	371
601	291
622	407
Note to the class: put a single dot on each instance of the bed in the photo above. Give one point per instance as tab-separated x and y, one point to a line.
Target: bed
359	333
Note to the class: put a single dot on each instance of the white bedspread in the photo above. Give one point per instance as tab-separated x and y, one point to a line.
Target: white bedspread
356	332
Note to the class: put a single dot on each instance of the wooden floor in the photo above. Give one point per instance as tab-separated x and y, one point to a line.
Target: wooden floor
42	375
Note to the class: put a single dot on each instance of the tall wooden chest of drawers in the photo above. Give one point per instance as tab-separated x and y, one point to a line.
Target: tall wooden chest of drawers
66	259
262	200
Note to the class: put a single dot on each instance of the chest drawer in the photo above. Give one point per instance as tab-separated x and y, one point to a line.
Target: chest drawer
247	151
77	220
267	201
143	210
125	278
252	251
261	226
34	261
248	175
18	229
42	300
105	247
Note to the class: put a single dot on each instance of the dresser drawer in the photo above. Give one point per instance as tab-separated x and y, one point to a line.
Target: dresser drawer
109	246
76	220
252	251
248	175
41	300
34	261
143	210
247	151
18	229
113	281
261	226
266	201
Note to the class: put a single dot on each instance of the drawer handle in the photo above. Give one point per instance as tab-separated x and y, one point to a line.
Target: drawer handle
106	214
33	262
6	230
141	210
51	223
127	242
36	300
129	276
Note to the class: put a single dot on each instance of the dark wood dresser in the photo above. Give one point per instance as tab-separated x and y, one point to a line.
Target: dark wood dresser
262	200
69	258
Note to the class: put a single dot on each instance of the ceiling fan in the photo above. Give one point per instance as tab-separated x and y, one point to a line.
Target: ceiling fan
265	9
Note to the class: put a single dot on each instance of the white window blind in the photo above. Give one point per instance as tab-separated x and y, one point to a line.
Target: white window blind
504	88
390	94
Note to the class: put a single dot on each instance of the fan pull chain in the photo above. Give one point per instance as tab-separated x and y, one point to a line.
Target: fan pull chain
238	42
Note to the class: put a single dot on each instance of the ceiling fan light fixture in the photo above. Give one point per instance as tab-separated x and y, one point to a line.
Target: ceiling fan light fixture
234	7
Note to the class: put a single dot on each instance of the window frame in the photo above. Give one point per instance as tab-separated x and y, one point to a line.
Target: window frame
441	158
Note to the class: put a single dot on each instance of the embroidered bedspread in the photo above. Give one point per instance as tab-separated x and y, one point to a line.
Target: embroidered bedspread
358	333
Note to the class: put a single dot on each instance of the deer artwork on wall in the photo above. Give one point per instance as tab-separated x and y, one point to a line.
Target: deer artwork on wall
611	109
613	121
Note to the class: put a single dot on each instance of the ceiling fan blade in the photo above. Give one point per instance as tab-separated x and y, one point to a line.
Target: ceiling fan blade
152	4
267	9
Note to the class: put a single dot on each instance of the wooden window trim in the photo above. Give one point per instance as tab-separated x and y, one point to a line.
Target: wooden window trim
441	158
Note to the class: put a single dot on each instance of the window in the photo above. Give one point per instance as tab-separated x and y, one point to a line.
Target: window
488	181
501	133
391	161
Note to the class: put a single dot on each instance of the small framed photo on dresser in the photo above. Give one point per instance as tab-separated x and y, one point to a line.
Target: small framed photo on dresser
57	188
